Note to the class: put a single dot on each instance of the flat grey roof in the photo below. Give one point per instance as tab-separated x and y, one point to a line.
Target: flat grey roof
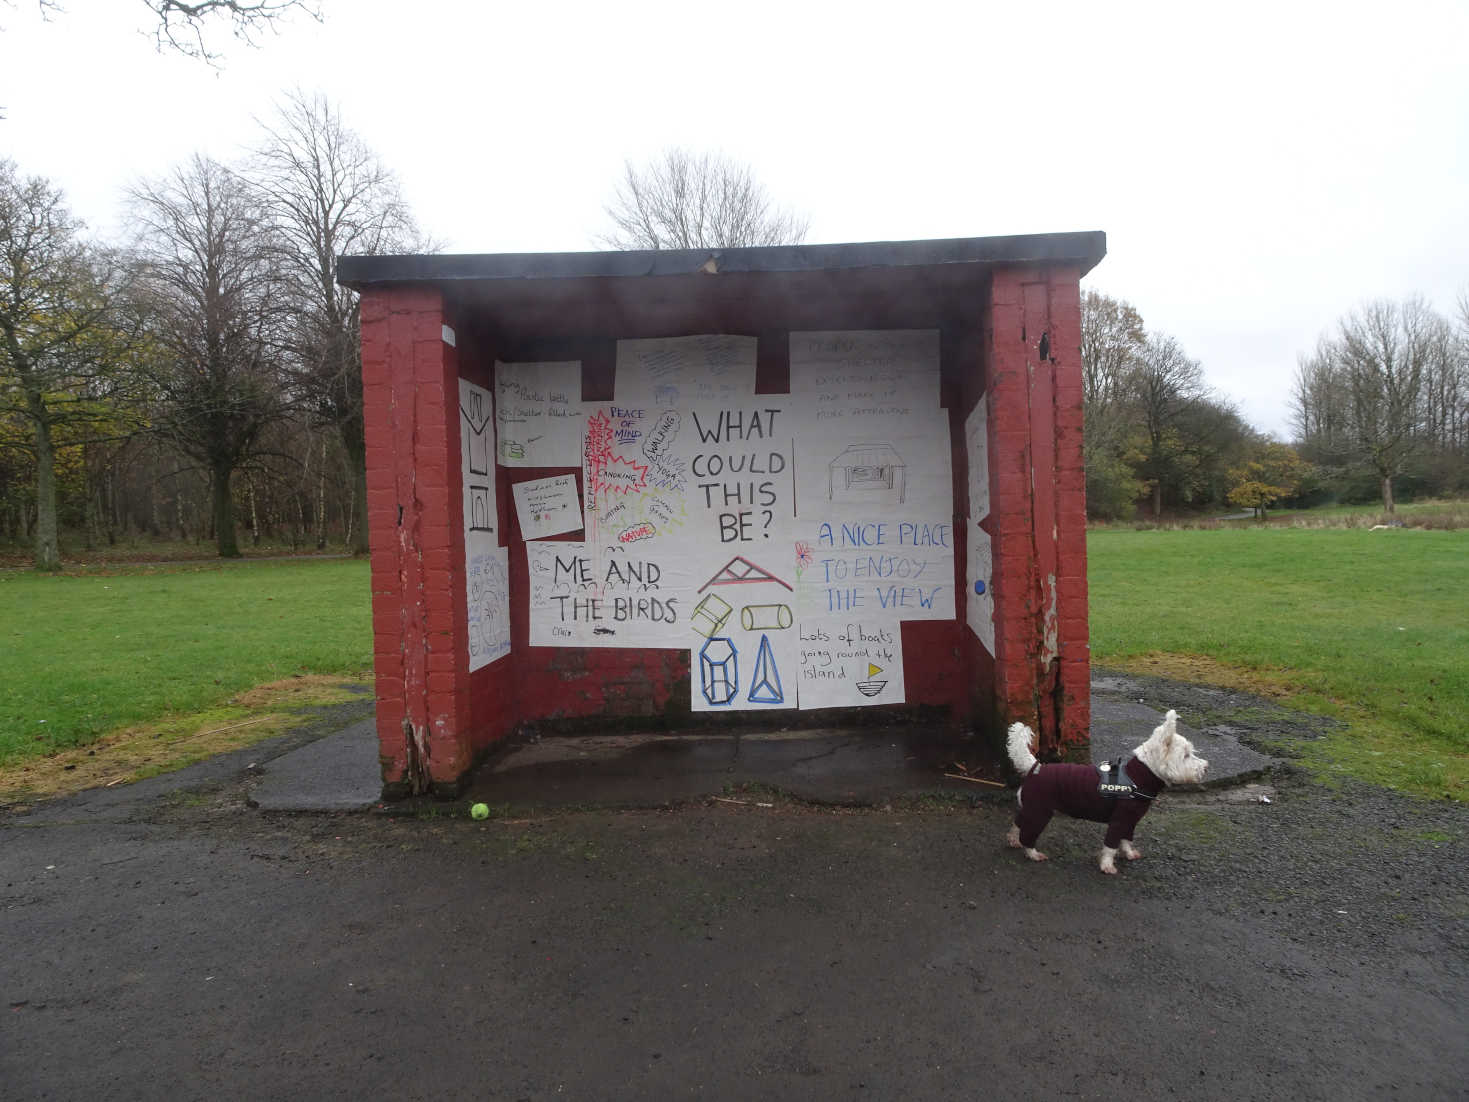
1084	249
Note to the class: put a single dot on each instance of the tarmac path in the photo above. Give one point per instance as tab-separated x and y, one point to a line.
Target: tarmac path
732	951
178	944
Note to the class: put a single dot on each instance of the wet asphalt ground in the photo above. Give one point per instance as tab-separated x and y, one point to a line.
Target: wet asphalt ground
173	942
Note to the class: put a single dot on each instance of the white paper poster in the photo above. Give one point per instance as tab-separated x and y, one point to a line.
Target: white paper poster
780	539
680	371
875	519
611	597
487	590
979	568
539	414
710	477
747	654
547	506
851	662
863	375
488	578
891	569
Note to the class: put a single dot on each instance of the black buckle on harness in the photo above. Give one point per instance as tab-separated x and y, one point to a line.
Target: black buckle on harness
1113	783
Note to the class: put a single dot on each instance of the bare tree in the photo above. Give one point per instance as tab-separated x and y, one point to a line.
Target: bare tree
1112	345
1167	385
1385	352
208	271
1320	408
183	27
329	194
1112	342
60	349
1446	389
680	200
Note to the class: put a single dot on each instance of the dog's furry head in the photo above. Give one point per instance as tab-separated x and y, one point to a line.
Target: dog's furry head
1170	756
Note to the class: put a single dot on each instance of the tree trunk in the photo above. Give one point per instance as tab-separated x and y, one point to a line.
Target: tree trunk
224	516
1158	499
354	443
1387	505
321	500
47	549
254	515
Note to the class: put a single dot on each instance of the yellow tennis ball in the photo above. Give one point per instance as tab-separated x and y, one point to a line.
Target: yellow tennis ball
479	811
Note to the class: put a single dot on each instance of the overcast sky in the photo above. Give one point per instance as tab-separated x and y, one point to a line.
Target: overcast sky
1259	169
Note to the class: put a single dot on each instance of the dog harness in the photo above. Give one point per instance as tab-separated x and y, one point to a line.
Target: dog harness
1113	782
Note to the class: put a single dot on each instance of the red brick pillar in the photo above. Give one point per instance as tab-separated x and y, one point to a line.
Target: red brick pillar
410	383
1038	502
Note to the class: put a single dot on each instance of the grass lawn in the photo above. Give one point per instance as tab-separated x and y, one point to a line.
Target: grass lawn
85	654
1369	627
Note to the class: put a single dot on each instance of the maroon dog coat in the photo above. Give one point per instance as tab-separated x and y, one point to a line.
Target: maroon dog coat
1075	790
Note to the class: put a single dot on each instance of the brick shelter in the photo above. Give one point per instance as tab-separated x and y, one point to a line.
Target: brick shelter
1006	311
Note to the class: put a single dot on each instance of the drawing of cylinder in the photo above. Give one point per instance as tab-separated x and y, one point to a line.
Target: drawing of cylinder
766	617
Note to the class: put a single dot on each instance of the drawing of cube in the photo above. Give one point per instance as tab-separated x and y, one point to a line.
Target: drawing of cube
719	671
710	614
868	473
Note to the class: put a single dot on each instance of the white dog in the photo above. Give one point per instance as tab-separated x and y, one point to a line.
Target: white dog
1118	796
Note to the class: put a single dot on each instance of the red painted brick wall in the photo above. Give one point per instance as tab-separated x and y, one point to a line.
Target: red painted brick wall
411	415
1038	505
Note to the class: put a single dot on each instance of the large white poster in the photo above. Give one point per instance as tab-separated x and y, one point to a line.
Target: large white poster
979	611
539	414
875	517
748	654
670	372
707	477
612	597
780	539
858	376
899	569
486	575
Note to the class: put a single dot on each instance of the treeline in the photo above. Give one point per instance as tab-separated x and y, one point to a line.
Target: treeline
201	380
1157	438
1382	404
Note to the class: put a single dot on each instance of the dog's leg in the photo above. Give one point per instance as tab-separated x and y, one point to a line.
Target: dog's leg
1109	861
1130	851
1013	841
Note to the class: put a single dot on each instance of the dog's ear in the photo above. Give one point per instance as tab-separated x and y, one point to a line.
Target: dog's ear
1169	728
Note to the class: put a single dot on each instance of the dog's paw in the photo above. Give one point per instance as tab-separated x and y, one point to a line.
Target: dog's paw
1013	838
1110	870
1131	852
1036	855
1108	863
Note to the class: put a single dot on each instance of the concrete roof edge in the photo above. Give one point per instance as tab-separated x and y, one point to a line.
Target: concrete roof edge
1084	248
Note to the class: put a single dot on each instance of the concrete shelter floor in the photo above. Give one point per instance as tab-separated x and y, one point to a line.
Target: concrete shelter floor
866	766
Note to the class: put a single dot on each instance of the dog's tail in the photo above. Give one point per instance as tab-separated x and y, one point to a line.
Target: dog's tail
1021	746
